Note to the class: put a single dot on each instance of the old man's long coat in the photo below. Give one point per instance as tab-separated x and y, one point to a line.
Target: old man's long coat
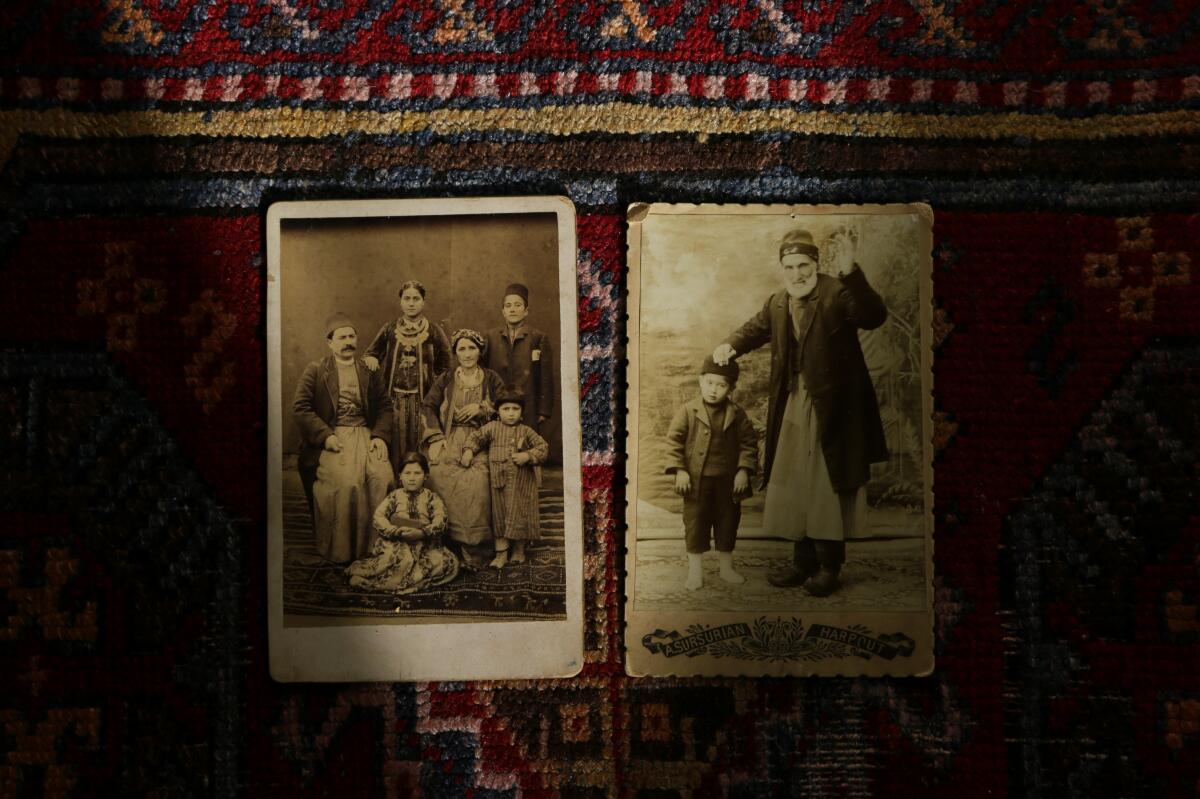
834	373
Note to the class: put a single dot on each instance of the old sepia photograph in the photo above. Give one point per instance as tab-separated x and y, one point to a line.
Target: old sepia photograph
424	440
780	463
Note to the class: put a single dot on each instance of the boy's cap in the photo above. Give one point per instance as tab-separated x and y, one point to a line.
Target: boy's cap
510	394
729	371
519	290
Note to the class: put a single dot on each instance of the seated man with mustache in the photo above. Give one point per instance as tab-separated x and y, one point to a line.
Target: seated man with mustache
345	420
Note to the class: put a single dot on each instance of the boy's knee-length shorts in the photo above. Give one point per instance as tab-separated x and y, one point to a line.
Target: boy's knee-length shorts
709	513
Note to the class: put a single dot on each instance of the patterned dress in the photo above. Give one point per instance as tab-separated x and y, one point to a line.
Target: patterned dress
404	567
514	488
411	354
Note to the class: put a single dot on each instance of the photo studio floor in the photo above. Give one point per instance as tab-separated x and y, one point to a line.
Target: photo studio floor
884	575
316	591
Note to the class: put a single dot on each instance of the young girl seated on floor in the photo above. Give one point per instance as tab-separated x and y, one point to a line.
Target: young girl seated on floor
408	554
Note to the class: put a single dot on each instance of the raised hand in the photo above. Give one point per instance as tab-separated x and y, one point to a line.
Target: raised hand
842	250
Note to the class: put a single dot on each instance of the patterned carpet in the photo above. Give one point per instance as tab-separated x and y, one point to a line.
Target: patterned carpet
1059	144
534	589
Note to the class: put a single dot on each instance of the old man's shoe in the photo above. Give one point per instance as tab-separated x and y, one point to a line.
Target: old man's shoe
803	566
831	555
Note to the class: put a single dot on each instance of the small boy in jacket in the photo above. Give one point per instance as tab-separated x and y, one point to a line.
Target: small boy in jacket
713	453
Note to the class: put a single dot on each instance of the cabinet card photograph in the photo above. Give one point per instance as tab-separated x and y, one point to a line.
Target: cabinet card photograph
425	520
780	464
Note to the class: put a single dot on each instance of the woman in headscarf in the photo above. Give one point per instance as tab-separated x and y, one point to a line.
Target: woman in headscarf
456	405
413	351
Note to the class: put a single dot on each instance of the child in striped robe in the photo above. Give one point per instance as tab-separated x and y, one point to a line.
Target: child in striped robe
515	451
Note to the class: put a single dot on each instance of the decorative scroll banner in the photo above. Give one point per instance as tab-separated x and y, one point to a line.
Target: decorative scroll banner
779	639
886	646
672	643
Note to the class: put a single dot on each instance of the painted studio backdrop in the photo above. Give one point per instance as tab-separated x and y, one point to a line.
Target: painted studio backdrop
465	262
701	279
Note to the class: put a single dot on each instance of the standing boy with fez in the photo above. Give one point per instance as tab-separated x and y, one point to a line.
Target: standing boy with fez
523	357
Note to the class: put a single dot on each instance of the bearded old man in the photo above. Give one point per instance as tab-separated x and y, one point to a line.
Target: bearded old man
345	418
823	425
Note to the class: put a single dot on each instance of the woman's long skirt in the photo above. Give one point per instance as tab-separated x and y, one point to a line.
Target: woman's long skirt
350	485
467	494
800	499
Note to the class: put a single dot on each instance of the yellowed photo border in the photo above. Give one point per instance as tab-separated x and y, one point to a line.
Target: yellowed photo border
458	649
865	641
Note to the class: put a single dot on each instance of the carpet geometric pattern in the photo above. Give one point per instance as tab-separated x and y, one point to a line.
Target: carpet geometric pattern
1059	145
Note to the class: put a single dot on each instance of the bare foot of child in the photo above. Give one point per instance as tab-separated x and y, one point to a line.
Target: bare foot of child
501	559
728	573
518	553
695	578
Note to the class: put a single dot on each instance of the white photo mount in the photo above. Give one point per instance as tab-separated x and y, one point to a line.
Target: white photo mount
448	646
697	273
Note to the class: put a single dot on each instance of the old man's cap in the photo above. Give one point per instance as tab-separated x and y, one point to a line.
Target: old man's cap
336	319
798	241
519	290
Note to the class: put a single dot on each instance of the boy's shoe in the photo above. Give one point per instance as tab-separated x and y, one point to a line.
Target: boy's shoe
695	578
803	566
728	573
831	555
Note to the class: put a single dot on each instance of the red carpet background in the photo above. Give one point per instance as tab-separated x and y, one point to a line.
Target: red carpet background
1057	141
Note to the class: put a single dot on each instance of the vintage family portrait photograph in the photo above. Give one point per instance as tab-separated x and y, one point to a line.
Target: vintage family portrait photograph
779	411
424	439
